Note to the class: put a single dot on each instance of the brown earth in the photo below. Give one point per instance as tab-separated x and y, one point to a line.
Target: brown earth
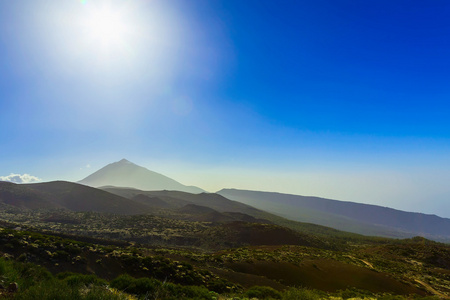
327	275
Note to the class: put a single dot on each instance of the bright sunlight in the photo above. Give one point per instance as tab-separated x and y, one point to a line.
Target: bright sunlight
107	28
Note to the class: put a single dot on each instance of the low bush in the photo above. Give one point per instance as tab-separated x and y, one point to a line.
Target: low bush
140	286
79	280
176	291
263	292
25	274
301	293
50	290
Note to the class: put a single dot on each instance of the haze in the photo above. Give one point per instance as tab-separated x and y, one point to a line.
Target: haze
339	99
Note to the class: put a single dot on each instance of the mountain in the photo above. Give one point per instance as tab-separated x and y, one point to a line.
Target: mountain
177	199
230	208
127	174
199	213
67	195
150	201
348	216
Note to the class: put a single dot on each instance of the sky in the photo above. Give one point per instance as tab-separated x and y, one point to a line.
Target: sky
346	100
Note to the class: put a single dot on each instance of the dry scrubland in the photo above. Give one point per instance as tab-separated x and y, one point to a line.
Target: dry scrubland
186	246
381	269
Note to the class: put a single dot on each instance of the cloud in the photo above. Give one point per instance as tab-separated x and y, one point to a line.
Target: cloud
88	166
18	178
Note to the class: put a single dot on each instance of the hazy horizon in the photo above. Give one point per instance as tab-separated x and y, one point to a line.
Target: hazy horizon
335	99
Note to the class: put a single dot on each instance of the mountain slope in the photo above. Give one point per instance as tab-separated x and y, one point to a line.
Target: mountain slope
19	196
349	216
177	199
127	174
226	206
67	195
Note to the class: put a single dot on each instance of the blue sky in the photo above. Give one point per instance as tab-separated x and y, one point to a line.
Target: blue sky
339	99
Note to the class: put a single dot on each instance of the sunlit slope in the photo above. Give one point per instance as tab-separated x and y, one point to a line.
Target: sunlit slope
349	216
127	174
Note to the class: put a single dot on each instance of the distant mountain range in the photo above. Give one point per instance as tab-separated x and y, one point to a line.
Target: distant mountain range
214	208
80	198
348	216
127	174
177	199
243	212
126	188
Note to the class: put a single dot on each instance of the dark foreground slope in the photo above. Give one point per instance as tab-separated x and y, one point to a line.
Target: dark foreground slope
361	271
349	216
67	195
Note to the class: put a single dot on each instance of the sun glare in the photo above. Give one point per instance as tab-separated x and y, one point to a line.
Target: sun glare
106	26
116	41
107	29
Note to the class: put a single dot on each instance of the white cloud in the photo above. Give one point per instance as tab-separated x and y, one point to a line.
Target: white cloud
18	178
88	166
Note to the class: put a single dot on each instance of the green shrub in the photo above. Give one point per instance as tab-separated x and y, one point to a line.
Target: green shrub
31	273
25	274
390	297
100	293
140	286
198	292
354	293
300	293
263	292
64	275
143	286
122	282
79	280
152	288
177	291
50	290
221	286
61	254
74	250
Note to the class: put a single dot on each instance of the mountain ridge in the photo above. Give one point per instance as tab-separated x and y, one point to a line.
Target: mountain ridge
367	219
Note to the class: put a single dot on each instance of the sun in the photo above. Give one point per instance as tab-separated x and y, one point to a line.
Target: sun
113	40
106	28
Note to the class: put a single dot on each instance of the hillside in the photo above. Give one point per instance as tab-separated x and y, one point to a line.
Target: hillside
348	216
66	195
176	199
127	174
22	197
409	269
170	205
